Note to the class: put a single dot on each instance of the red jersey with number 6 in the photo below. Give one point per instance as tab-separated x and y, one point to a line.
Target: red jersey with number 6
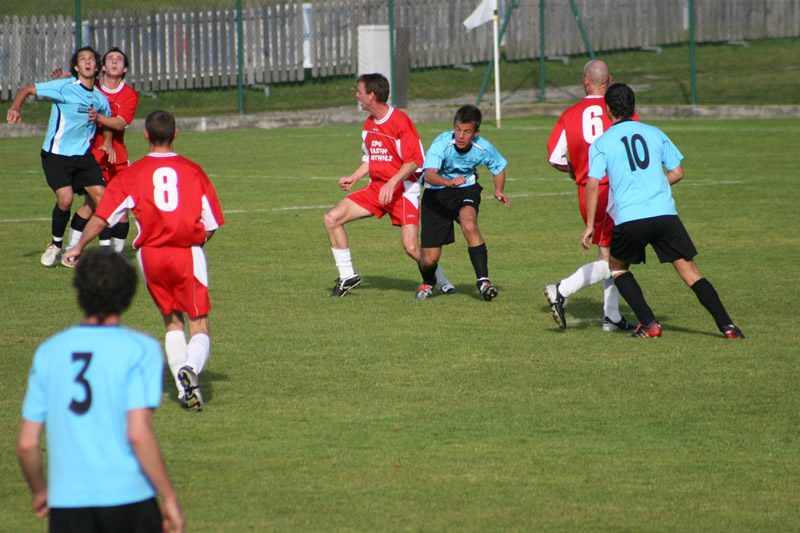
172	198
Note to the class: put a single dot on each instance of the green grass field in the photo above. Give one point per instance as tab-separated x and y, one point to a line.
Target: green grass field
377	412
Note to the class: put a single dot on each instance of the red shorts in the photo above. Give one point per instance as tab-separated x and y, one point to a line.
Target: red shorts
111	171
403	209
603	223
177	278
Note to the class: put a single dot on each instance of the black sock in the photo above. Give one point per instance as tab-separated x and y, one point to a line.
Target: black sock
480	261
59	224
120	230
78	222
429	276
710	300
630	290
105	235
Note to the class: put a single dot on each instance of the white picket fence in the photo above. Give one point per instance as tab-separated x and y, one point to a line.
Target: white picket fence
287	40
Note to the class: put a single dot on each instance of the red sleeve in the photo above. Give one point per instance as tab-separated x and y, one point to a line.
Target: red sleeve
412	145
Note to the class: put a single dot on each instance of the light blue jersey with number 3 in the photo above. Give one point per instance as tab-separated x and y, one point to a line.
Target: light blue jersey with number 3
82	384
634	156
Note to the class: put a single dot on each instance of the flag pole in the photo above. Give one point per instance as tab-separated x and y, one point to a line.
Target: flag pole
496	67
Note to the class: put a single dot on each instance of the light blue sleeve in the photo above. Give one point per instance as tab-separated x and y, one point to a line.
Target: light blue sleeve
34	406
435	154
597	161
671	156
497	163
53	89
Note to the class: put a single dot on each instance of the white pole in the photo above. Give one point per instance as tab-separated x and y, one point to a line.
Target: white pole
496	67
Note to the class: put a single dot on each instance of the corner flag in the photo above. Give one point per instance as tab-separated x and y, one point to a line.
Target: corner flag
481	15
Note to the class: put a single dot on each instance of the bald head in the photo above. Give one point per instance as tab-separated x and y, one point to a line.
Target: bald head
596	77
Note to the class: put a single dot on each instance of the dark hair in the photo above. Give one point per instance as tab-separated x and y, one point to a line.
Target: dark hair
117	50
160	127
469	113
620	101
376	83
106	282
74	61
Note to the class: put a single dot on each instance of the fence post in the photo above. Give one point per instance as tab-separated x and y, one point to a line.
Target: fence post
78	25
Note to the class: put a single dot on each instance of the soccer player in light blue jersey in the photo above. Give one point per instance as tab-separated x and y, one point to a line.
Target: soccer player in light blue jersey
635	155
94	387
68	164
453	194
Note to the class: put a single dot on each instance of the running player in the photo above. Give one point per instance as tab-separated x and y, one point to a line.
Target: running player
392	156
568	151
177	212
67	162
452	193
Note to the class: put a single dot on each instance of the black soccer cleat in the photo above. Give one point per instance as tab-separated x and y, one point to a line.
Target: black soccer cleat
487	290
344	285
557	303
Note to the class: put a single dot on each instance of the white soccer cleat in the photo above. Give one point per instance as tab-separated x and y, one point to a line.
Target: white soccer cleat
50	255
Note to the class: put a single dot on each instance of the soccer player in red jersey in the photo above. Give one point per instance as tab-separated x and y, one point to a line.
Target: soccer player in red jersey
392	157
177	211
112	159
568	151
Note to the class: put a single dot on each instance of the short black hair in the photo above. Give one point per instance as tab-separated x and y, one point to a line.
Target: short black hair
117	50
105	281
469	113
377	84
621	101
74	61
160	126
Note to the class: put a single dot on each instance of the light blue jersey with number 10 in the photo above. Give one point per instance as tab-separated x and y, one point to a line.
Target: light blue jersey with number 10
82	384
634	155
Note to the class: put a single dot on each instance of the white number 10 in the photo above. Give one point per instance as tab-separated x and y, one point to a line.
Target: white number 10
165	189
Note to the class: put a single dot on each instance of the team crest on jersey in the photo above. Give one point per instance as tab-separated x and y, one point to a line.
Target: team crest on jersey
83	108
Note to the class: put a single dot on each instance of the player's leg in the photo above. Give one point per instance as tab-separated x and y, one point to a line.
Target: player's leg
335	219
476	247
95	193
708	297
435	230
58	225
120	230
175	346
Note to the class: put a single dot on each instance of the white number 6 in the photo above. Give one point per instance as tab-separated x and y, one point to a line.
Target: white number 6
592	123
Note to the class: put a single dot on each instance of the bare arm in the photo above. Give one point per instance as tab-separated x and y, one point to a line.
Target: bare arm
29	452
347	182
92	230
565	168
148	452
592	188
433	177
13	116
499	185
675	175
387	191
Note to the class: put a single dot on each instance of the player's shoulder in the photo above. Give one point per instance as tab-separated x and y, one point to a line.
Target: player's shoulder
444	137
482	143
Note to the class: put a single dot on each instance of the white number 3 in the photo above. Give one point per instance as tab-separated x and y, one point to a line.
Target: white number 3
165	188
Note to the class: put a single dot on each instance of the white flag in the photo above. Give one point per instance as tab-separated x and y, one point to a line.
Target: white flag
482	14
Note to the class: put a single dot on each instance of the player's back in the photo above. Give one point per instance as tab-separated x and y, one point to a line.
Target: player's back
175	203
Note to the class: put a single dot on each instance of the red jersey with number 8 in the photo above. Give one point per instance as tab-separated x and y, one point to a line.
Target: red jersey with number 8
172	198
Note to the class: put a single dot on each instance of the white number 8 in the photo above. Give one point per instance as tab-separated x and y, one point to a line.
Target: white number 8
165	188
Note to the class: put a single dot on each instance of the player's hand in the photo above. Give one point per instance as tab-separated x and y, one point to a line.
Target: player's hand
13	116
586	238
458	180
386	194
92	115
347	182
501	196
110	152
173	516
57	73
72	255
40	504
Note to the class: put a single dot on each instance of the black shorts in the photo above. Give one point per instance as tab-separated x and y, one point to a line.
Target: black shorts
139	517
440	208
76	171
665	234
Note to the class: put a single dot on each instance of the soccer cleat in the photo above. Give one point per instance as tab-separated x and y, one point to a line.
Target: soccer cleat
344	285
732	332
487	290
50	255
653	329
557	303
424	292
622	325
192	397
448	289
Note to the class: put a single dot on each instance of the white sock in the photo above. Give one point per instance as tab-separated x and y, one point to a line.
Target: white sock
104	242
344	262
175	346
197	351
587	275
74	237
611	300
441	281
119	245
